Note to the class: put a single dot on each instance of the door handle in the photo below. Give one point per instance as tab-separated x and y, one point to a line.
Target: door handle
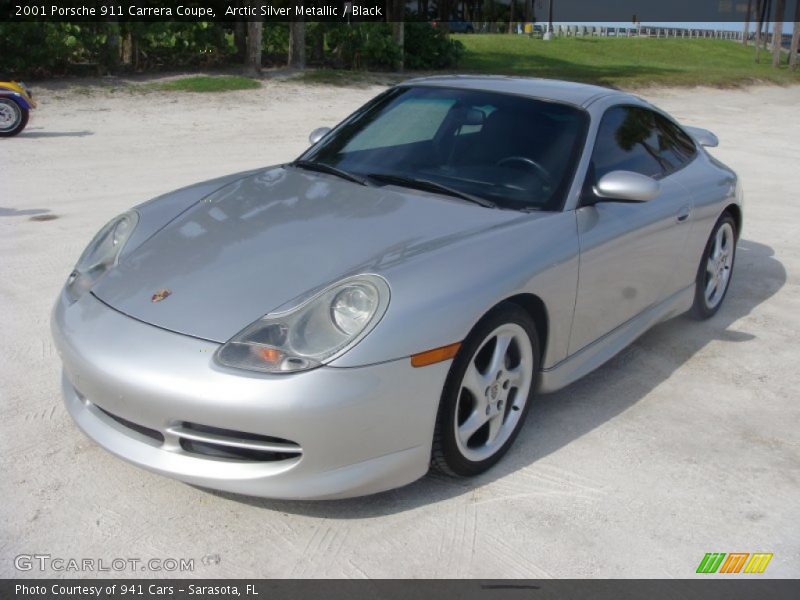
683	214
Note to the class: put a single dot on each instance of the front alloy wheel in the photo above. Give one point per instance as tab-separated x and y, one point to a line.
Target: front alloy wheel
487	393
716	268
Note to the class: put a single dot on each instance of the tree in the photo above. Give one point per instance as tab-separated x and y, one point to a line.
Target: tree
255	30
113	46
240	39
795	45
761	8
395	13
747	18
398	37
777	32
297	44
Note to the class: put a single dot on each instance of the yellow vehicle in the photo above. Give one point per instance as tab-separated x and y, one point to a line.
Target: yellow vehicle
16	102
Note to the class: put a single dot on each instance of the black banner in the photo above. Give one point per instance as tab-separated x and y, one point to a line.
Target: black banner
586	11
284	589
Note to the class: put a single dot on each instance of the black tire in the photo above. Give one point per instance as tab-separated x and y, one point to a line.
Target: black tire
446	455
19	120
702	308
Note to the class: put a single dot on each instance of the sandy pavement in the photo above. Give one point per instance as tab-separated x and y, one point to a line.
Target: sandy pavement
686	443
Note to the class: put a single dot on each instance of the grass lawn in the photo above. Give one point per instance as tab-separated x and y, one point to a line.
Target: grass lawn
204	83
622	62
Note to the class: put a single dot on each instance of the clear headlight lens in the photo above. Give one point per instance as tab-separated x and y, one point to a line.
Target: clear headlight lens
313	333
101	254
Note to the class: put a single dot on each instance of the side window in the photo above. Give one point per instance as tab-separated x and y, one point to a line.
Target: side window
628	140
676	147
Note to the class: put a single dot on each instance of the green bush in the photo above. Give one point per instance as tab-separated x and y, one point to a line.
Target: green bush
275	41
48	49
370	45
379	50
430	47
367	45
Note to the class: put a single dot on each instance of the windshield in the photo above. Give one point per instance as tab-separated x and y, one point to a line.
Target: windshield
513	151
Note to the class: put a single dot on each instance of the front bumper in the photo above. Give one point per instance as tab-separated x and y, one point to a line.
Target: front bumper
360	430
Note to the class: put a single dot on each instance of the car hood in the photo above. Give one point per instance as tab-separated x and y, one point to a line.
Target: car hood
271	238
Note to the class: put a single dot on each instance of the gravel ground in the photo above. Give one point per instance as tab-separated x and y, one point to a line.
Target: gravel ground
686	443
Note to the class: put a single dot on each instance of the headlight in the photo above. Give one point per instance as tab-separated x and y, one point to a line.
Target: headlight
313	333
101	254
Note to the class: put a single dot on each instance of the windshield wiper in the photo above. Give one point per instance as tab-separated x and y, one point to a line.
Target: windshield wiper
310	165
429	186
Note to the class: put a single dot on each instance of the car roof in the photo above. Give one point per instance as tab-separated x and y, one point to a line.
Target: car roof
578	94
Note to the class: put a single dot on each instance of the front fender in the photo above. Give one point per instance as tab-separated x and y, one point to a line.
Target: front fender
439	296
18	98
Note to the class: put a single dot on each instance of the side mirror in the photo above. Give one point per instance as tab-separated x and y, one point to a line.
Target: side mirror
703	136
318	134
626	186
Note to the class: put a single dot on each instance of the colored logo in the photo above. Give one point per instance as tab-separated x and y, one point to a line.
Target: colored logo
160	295
735	562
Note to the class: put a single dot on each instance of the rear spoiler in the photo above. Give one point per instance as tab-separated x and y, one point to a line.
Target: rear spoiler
703	136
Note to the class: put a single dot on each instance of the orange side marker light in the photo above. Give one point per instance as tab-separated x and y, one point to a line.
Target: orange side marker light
430	357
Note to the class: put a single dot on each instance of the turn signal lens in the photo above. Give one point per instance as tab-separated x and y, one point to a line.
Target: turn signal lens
269	355
430	357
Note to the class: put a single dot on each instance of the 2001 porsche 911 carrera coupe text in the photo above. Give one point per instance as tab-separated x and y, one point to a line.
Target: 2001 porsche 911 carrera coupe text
397	296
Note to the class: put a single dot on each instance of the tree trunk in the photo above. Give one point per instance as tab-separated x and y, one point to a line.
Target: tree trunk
318	45
240	39
747	18
297	44
398	37
255	30
760	5
777	32
445	7
127	49
511	16
395	11
112	49
767	13
795	38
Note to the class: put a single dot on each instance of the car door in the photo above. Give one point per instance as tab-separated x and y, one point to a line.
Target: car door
629	249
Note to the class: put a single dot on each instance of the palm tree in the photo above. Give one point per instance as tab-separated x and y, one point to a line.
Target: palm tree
761	11
795	38
747	18
777	32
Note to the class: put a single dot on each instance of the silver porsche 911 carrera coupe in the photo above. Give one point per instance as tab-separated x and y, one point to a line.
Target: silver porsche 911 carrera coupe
395	298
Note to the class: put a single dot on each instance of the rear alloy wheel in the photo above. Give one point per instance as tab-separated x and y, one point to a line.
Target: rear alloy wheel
487	393
13	117
716	269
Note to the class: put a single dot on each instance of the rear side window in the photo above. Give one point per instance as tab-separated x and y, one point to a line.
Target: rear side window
676	147
639	140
